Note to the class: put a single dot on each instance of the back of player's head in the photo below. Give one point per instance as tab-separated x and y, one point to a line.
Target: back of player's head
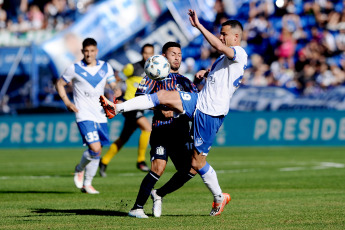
89	42
233	24
169	45
144	46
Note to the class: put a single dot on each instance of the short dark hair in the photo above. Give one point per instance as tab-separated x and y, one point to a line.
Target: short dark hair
169	45
233	24
89	42
146	45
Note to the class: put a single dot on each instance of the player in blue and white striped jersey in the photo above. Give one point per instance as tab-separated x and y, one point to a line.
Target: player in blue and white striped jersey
88	78
170	137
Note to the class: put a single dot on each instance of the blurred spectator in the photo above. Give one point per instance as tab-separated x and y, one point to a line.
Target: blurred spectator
292	22
256	73
35	17
338	74
287	47
340	39
4	108
3	16
325	77
21	25
328	41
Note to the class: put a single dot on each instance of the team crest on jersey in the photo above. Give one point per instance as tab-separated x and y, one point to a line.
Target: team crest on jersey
160	150
143	81
101	73
198	142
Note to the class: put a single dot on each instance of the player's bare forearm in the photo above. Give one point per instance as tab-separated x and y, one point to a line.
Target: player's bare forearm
211	38
60	88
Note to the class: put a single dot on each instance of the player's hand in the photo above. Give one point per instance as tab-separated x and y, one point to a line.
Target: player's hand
193	18
71	107
202	73
168	113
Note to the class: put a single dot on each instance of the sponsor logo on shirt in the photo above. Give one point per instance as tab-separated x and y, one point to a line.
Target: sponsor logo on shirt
211	79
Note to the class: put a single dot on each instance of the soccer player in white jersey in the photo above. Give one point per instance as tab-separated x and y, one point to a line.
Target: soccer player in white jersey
208	107
88	78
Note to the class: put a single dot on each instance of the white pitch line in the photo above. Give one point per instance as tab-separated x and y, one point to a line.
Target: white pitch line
322	165
27	177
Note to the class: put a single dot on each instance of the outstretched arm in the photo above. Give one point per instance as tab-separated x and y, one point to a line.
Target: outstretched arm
213	40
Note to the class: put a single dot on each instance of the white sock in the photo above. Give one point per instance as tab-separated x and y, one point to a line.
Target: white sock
138	103
209	176
90	171
85	159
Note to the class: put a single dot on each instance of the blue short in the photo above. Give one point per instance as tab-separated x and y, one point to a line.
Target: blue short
189	103
205	127
205	130
92	132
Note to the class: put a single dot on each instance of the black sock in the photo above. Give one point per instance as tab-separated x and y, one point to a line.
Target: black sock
176	182
146	186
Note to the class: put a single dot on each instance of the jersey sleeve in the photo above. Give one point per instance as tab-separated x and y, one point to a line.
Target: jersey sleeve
240	55
110	74
68	75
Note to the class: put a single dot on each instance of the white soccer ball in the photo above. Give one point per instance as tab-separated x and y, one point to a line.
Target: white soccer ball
157	67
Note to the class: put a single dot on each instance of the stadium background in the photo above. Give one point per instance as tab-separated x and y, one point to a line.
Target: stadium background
292	91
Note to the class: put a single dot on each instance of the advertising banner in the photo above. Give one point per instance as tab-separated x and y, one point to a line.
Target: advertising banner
279	99
289	128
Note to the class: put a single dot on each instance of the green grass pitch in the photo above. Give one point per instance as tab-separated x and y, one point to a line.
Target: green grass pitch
271	188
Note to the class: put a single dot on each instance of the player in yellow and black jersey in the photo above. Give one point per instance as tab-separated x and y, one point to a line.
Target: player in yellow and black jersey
134	119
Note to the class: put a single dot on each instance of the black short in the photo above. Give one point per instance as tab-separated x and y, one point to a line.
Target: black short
130	124
174	143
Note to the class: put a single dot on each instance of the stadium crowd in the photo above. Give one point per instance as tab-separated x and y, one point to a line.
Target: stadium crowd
20	16
297	45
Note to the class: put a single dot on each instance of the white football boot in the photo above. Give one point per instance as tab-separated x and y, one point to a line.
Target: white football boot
157	204
89	189
78	178
137	213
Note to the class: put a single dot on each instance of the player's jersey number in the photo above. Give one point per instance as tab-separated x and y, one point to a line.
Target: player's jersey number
186	96
92	136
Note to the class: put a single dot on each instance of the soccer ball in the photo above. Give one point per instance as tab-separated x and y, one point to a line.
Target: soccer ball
157	67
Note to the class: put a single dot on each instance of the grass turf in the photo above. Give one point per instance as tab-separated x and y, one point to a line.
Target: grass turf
271	188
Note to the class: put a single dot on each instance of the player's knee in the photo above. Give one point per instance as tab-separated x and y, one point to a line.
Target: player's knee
158	167
95	153
198	163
